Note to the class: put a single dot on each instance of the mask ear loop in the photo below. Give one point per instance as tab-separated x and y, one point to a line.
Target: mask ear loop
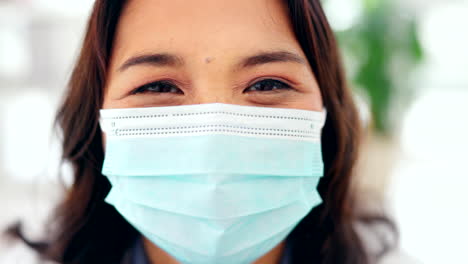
324	116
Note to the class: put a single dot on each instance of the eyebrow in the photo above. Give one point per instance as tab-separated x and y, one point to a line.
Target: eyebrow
269	57
172	60
157	59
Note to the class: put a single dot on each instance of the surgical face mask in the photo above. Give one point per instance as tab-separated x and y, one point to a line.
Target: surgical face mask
213	183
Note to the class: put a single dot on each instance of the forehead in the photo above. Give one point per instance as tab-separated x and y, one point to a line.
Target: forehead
203	27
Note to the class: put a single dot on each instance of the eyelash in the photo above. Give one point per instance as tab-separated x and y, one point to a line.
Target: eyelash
168	86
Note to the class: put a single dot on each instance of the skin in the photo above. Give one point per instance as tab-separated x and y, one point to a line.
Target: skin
212	38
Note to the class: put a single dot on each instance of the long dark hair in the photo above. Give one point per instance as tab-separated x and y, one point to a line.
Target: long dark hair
85	229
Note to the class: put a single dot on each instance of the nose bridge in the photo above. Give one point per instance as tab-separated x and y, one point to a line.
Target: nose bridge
212	90
211	78
206	97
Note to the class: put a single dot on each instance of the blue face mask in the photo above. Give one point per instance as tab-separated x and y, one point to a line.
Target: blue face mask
213	183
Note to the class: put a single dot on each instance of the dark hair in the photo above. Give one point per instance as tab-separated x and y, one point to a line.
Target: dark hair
85	229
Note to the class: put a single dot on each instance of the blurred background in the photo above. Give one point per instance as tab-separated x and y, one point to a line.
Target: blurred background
406	60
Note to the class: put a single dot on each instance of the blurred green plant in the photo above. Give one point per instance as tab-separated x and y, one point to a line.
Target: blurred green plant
380	51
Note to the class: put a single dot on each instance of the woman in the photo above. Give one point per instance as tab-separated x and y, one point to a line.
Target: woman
143	59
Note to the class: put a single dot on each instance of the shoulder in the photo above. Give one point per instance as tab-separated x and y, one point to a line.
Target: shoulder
136	253
379	240
17	252
398	256
379	234
376	241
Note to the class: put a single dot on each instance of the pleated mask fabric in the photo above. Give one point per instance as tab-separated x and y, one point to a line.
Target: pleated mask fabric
213	183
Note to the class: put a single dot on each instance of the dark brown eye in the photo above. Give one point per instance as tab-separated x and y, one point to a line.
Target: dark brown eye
158	87
268	85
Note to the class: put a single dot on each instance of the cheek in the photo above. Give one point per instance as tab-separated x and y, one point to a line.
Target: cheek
310	99
315	97
109	103
103	136
309	96
312	102
317	100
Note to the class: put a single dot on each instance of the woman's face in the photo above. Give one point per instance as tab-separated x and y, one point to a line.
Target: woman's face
208	51
182	52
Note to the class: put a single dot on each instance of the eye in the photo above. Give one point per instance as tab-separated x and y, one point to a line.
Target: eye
158	87
269	85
